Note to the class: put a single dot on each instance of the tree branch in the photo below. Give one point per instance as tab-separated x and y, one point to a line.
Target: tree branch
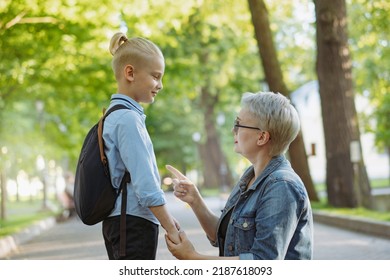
15	20
19	19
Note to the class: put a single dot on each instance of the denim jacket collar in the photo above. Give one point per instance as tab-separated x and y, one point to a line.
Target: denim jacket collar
249	173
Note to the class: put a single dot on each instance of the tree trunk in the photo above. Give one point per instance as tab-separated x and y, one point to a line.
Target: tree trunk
347	182
216	172
299	162
274	78
387	150
3	191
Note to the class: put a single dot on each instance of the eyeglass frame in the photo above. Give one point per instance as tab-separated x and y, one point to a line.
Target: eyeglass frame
236	126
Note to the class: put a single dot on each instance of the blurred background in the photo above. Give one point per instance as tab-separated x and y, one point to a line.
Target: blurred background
56	77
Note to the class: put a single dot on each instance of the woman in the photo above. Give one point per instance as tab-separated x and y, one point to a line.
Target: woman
268	214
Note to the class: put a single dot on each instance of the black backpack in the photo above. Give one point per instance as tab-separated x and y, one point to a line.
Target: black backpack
94	196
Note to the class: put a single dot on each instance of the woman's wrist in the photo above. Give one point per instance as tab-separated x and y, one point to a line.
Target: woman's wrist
196	201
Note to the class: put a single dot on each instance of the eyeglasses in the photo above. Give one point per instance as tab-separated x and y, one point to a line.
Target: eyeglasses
238	125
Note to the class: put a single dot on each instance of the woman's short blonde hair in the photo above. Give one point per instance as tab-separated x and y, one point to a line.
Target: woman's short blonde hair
130	51
274	114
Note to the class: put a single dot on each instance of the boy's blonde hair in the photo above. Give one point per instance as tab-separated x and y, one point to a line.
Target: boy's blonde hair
133	51
275	114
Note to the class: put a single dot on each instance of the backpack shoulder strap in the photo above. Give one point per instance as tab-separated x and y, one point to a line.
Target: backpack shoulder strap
114	108
126	179
122	226
100	130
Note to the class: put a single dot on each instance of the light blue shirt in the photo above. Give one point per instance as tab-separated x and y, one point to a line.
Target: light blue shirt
128	146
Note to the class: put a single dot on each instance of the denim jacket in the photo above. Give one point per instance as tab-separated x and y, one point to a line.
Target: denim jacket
272	219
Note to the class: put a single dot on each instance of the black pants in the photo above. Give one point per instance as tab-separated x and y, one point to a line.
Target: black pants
141	238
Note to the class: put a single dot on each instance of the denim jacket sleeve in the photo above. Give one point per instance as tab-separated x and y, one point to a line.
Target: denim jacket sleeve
282	221
277	219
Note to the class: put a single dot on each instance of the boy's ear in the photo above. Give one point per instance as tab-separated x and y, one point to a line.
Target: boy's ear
129	72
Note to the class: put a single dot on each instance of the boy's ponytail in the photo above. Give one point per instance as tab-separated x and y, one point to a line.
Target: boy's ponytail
116	41
130	51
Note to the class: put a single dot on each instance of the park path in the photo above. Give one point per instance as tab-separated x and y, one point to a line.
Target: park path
72	240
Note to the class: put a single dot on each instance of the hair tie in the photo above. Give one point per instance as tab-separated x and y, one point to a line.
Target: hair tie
121	41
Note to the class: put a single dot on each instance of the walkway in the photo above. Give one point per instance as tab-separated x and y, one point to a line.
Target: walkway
71	240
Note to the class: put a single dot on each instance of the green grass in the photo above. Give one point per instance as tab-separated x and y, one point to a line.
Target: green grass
375	183
357	212
380	183
22	214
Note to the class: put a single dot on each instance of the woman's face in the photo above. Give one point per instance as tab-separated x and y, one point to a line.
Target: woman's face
246	133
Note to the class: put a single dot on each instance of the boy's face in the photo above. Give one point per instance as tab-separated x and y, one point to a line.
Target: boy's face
147	79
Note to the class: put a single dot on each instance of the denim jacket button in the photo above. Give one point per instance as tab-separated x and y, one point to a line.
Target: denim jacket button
230	248
245	225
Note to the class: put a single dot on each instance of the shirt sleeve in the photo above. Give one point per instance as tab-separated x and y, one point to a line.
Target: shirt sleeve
276	221
136	151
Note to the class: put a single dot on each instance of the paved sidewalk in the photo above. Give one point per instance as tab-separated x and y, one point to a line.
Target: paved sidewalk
72	240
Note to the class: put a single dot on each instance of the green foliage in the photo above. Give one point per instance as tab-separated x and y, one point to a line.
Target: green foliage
369	32
21	215
55	73
293	26
202	48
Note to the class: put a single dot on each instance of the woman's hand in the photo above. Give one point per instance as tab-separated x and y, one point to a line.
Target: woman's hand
186	191
183	250
183	188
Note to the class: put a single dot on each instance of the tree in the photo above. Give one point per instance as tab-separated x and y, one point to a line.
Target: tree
274	77
56	76
347	182
369	42
208	67
46	105
47	59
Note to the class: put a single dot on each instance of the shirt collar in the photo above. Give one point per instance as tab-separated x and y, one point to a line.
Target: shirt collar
119	98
